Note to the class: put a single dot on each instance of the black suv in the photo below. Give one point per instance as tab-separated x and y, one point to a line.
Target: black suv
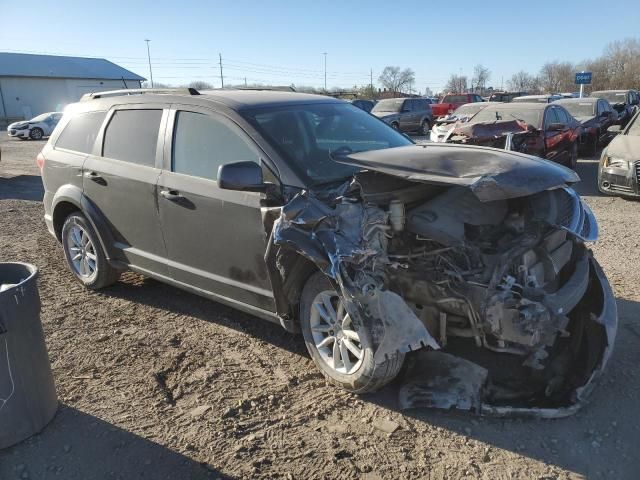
624	102
309	212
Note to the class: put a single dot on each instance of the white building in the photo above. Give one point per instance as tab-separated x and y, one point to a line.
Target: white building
34	84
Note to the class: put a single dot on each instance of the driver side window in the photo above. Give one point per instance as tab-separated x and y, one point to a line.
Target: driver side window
550	117
202	143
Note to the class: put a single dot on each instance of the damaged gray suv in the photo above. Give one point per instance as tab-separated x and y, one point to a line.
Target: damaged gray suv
468	262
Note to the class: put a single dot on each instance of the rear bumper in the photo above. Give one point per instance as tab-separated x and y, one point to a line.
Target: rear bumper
618	181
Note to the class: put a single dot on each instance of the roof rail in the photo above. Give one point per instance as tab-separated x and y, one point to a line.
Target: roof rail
273	88
138	91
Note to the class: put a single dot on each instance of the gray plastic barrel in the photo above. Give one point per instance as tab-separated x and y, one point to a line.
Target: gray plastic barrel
28	398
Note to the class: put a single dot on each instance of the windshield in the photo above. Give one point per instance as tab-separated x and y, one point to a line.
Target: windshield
497	113
455	99
40	118
581	109
611	97
308	136
389	105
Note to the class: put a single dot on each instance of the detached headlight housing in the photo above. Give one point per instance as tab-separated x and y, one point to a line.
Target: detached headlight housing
617	162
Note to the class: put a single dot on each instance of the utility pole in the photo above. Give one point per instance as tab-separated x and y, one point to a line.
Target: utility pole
221	77
149	58
325	71
245	81
371	82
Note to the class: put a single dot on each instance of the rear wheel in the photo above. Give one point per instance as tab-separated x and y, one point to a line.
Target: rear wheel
84	255
573	156
36	133
425	127
341	351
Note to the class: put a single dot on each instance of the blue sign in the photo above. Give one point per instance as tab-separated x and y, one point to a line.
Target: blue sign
583	78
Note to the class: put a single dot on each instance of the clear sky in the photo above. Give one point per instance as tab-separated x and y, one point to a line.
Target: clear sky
282	42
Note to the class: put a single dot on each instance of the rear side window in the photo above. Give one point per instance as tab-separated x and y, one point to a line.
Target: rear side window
80	133
202	143
132	136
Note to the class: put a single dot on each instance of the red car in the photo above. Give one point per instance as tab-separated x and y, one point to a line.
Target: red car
451	101
546	130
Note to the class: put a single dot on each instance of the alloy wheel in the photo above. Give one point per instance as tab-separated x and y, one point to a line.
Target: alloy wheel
334	335
82	252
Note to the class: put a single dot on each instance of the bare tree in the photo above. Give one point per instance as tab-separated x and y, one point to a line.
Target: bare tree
394	79
522	82
481	76
557	77
456	84
201	85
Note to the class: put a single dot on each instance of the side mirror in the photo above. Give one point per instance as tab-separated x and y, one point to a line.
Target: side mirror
614	129
556	127
241	176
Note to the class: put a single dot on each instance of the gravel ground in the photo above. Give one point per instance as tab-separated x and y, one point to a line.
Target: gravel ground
158	383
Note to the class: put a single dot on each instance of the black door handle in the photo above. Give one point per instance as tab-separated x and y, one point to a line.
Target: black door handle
172	195
93	176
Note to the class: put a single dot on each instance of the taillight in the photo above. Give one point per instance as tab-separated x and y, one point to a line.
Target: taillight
40	161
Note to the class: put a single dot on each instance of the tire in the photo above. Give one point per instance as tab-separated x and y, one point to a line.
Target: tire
36	134
395	126
357	375
594	145
573	158
84	255
425	127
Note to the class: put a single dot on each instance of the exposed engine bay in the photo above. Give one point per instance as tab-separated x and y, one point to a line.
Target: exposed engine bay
494	287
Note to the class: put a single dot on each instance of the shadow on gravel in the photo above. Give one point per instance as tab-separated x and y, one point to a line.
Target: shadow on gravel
22	187
158	295
79	446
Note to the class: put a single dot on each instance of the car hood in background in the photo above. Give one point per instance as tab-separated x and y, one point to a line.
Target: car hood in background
626	147
491	174
18	125
384	114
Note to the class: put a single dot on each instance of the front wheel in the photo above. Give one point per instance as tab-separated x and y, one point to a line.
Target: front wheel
395	126
342	352
84	254
36	134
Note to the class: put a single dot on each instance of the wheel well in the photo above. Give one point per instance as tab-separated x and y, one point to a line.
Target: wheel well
60	214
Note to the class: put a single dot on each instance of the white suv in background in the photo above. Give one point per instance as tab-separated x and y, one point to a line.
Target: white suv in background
36	128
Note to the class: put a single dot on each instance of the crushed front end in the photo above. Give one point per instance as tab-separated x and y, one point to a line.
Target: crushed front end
490	287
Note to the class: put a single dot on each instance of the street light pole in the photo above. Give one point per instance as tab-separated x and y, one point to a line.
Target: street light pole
325	71
149	58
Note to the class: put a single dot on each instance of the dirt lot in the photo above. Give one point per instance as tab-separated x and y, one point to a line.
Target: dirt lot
157	383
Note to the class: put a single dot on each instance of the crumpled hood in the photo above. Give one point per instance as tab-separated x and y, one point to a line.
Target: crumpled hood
491	130
491	174
626	147
18	125
585	119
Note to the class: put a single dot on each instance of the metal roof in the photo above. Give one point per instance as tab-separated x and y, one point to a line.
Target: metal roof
54	66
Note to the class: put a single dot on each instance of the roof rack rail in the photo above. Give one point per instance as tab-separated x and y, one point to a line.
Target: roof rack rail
138	91
273	88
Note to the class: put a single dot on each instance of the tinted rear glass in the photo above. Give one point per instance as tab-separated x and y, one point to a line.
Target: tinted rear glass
455	99
132	136
80	133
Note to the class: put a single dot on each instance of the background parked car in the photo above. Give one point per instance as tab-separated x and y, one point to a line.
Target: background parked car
505	96
547	98
595	115
363	104
625	102
619	170
405	114
36	128
542	129
452	101
462	114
